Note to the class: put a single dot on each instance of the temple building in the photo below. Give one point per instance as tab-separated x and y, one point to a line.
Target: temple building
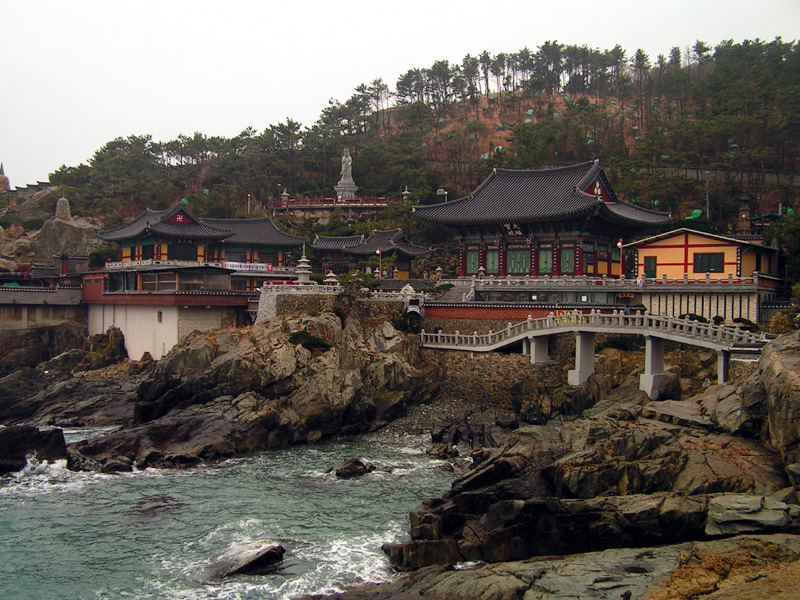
562	221
342	254
253	249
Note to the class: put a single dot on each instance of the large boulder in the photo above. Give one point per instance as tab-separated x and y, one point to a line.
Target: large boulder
19	442
776	387
221	394
255	558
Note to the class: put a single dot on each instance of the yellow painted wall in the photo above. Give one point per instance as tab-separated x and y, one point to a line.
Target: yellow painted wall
201	253
126	253
675	255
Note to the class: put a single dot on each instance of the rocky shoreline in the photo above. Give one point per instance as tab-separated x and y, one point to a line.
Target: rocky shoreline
631	495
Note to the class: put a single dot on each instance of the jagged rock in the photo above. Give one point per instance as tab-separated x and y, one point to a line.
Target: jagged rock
737	513
614	477
270	393
117	465
776	386
352	467
442	451
740	568
19	441
256	558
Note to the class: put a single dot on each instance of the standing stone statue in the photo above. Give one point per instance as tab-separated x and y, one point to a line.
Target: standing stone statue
347	166
346	188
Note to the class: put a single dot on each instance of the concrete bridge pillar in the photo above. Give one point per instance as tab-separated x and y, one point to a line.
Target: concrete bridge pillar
723	362
539	348
584	358
650	381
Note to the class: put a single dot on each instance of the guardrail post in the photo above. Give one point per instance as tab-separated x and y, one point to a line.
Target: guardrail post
457	337
474	338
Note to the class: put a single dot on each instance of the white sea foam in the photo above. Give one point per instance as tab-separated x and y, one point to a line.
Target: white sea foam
45	477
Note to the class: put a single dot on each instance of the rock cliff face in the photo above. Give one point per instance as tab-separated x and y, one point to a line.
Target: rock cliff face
626	473
227	393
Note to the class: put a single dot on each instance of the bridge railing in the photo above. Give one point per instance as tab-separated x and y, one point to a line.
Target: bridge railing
687	328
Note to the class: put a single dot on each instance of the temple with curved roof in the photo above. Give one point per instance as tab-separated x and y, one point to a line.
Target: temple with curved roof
562	221
340	254
251	248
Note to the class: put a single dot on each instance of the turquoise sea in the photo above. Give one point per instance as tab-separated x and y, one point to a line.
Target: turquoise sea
153	533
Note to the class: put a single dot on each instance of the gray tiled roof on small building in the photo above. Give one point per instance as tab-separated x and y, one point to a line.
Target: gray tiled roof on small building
326	242
256	232
388	241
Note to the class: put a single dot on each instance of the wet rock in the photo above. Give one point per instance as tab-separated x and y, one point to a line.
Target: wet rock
19	441
352	467
117	465
442	451
254	559
223	394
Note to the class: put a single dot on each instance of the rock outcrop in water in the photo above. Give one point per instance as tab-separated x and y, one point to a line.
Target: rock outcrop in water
627	473
19	442
235	392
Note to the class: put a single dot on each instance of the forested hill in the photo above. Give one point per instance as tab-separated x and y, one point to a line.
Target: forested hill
730	113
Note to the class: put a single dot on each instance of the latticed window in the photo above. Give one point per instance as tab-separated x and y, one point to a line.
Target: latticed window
493	262
472	262
545	261
567	260
519	261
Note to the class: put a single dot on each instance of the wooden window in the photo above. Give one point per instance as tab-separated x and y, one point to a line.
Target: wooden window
472	262
519	261
493	262
650	267
567	260
709	263
545	260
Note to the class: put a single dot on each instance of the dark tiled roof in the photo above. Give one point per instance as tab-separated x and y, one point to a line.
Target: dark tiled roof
517	196
155	223
388	241
261	232
324	242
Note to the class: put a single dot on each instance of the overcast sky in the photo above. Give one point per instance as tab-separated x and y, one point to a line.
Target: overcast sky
76	74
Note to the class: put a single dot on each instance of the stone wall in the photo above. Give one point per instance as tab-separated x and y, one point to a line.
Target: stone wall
731	305
509	382
314	304
23	317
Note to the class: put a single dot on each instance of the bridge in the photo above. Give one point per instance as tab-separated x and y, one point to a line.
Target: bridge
534	334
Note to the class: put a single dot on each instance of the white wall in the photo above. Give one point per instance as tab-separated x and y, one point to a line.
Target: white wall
140	325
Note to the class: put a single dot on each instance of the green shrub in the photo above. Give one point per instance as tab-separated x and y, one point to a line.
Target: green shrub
718	320
337	310
409	322
33	224
694	317
626	343
746	324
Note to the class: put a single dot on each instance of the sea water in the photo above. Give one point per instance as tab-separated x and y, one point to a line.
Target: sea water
154	533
